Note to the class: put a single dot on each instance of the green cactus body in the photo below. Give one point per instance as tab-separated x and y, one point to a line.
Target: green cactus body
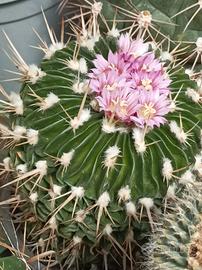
177	242
86	179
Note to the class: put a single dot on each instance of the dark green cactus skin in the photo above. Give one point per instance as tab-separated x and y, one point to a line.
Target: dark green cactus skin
162	12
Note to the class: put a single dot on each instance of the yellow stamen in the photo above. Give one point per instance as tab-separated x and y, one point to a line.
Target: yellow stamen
147	111
147	84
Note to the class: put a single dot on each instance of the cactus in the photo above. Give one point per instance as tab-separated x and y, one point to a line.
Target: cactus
177	242
96	136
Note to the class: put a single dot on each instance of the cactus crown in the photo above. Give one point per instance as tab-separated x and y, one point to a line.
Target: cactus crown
97	135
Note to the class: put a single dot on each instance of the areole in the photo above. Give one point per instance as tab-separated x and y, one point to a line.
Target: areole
21	9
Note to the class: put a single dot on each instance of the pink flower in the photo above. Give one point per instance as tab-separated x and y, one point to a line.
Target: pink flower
151	81
131	47
151	109
109	81
114	62
119	105
147	63
131	85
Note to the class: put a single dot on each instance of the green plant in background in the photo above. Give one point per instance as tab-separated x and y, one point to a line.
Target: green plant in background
177	242
97	137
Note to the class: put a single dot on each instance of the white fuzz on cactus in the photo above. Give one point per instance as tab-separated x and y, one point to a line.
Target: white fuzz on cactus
34	197
52	49
78	65
66	158
80	87
187	178
79	120
32	136
21	168
194	95
124	194
139	140
41	167
16	102
131	210
108	127
111	155
32	73
57	190
148	204
19	132
179	132
7	163
167	170
48	102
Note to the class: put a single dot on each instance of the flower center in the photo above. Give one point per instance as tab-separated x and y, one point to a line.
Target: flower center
147	111
147	84
118	105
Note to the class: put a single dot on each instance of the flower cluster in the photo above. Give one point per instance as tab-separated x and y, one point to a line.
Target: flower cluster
131	86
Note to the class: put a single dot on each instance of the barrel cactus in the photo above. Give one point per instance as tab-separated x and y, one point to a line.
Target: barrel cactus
177	242
96	136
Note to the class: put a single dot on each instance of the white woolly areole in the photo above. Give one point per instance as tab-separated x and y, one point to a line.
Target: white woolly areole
187	178
84	117
17	103
7	163
173	106
73	64
83	68
18	132
114	32
89	43
111	155
32	136
104	200
171	192
148	203
130	209
80	216
179	132
79	65
198	164
139	136
167	170
80	87
195	96
49	101
53	48
34	197
57	190
34	73
166	56
66	158
97	8
124	194
42	167
144	19
78	192
199	44
108	230
21	168
108	127
77	240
